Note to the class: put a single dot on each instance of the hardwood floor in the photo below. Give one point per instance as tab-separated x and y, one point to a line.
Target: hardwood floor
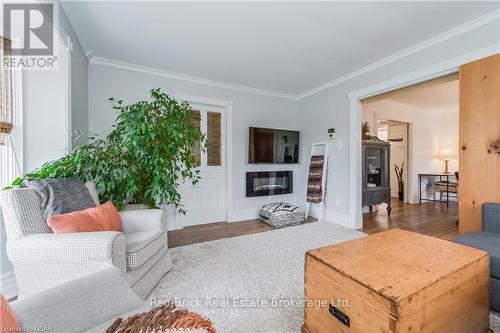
428	218
212	231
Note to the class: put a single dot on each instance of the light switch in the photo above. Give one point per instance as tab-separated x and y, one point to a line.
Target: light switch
331	133
339	144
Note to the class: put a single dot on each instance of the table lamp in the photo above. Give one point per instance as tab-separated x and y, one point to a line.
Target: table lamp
445	155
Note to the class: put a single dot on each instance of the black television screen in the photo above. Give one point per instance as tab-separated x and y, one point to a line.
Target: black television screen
268	145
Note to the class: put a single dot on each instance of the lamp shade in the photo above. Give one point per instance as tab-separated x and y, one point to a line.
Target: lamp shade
445	154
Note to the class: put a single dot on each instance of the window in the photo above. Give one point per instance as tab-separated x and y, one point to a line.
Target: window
195	119
6	98
10	119
208	123
213	139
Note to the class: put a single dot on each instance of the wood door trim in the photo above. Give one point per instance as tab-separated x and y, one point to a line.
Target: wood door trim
479	131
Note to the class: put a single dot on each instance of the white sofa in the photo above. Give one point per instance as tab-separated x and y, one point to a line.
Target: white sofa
42	259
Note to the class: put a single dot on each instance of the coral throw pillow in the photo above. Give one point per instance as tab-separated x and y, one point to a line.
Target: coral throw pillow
101	218
8	322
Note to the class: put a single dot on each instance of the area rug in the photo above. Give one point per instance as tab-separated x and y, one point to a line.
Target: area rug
495	322
251	283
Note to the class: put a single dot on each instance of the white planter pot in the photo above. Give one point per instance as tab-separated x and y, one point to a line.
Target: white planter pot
134	206
164	215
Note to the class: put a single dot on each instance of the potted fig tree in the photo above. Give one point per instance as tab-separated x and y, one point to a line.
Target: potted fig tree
144	158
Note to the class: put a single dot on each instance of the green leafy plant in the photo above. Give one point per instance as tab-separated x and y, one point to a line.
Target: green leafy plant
143	160
399	175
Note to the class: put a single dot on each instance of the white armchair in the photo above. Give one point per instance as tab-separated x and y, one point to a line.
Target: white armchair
42	259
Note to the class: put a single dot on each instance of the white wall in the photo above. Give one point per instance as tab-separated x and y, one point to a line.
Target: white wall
430	131
330	107
250	109
79	80
44	101
44	113
399	155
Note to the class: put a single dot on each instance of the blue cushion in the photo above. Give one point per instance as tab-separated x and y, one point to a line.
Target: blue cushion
486	241
491	217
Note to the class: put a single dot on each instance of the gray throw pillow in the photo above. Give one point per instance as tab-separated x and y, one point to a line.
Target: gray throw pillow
61	195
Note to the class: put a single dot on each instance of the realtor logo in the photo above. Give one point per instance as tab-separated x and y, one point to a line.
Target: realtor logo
32	24
28	27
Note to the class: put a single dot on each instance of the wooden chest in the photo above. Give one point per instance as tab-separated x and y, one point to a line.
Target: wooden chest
396	281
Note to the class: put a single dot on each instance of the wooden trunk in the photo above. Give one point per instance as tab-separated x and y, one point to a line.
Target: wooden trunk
479	140
396	281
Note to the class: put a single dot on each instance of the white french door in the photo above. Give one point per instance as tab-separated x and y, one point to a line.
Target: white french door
205	202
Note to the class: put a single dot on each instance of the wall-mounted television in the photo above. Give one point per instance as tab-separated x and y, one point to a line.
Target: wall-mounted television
270	145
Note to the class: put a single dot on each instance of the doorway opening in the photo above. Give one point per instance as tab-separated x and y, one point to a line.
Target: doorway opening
418	125
396	133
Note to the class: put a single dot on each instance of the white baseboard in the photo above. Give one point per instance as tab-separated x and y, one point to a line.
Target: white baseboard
315	211
8	286
232	216
242	214
344	220
253	213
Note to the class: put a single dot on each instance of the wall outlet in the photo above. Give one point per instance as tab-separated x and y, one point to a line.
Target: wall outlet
340	144
338	202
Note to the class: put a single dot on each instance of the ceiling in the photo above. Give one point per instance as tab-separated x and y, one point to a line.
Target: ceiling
285	47
441	96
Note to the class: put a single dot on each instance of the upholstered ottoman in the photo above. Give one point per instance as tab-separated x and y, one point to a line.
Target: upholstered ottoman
282	214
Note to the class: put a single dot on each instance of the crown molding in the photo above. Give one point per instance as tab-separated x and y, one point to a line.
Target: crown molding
154	71
461	29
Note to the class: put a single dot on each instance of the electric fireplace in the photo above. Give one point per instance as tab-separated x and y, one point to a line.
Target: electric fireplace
263	183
